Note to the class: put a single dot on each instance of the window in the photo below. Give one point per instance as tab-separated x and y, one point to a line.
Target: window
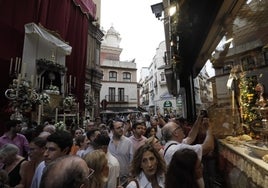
113	76
126	76
111	94
121	94
162	76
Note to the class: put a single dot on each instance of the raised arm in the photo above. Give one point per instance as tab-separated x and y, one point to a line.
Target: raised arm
194	131
208	144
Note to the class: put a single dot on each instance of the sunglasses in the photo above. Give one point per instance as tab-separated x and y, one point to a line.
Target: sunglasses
91	172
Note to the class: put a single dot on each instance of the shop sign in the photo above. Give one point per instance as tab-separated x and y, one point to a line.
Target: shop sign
167	104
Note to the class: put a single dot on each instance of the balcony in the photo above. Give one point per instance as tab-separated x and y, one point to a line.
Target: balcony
146	102
117	99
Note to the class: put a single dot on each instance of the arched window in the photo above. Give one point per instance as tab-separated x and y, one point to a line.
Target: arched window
112	76
126	76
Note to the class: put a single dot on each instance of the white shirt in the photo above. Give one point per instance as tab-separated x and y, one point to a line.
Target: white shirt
114	170
144	183
89	149
170	150
38	175
123	151
80	152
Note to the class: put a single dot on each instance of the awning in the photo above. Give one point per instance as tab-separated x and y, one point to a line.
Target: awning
141	109
32	28
166	96
107	112
123	110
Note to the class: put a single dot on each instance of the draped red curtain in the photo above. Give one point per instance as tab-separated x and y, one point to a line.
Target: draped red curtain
62	16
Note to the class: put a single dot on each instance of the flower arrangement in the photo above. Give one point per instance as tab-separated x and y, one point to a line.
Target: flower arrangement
60	125
34	97
20	95
44	98
53	89
88	101
69	101
248	98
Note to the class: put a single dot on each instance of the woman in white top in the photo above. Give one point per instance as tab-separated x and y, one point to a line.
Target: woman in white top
148	168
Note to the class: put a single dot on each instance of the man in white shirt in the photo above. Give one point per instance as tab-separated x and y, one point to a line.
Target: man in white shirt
121	147
174	137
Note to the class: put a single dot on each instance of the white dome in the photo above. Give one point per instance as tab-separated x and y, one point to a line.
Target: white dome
112	38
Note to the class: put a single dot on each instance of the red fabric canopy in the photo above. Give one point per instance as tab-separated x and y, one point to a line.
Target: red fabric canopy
67	17
87	7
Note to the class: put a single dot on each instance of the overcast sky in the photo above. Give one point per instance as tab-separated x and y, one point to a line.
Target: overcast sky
140	30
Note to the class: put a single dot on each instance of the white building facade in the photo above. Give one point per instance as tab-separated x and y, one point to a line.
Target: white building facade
119	89
154	93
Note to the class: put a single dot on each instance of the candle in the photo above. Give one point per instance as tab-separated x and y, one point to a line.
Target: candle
39	83
18	84
19	78
64	118
74	81
36	81
65	86
56	116
78	113
19	63
70	82
39	114
23	69
233	101
67	91
16	64
32	81
11	66
42	82
42	108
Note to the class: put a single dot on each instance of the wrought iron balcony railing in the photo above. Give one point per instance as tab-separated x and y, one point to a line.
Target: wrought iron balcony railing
117	98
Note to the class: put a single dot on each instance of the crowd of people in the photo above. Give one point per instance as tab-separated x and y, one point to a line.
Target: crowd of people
137	152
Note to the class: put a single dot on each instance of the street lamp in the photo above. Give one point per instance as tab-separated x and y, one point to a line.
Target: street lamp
157	10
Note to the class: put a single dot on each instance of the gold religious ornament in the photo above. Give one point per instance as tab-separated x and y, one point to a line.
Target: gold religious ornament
260	90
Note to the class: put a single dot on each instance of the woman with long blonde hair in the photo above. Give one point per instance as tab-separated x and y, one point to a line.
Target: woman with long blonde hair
97	161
